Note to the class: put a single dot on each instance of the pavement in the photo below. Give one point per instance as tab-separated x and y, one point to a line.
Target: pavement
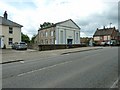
9	55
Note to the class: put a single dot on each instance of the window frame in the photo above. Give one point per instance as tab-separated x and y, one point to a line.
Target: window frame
10	30
46	34
51	33
10	42
46	41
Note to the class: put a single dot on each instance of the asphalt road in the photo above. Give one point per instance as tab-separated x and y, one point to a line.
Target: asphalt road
89	69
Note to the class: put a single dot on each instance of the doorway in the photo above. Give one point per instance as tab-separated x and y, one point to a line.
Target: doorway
69	41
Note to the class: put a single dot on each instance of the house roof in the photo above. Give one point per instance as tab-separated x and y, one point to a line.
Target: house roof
54	25
104	31
7	22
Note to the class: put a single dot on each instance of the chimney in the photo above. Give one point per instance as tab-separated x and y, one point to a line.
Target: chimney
114	28
103	27
5	14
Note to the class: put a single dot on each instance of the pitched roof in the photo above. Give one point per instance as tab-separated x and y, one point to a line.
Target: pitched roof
7	22
60	23
67	21
105	31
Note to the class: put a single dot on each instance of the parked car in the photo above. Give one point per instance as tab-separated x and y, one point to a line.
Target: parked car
19	46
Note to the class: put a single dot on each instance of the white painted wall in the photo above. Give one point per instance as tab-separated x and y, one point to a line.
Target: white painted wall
16	35
68	33
69	24
1	37
97	38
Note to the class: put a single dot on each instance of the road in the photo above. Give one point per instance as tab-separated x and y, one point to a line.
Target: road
89	69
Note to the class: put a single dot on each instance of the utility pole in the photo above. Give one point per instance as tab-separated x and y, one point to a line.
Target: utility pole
110	38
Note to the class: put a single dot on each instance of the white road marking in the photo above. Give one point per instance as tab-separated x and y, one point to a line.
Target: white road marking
22	62
114	84
44	68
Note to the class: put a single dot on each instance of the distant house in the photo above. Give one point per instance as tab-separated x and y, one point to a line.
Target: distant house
65	32
86	41
107	35
10	32
36	39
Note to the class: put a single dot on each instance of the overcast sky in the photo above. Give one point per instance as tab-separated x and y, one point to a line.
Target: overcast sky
88	14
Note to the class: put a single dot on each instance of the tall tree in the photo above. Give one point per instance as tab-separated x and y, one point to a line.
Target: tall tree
33	38
25	38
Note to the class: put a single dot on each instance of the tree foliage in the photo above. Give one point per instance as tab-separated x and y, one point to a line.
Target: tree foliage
33	38
25	38
45	25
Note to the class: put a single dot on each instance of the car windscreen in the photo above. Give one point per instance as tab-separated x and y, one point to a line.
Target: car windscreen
22	43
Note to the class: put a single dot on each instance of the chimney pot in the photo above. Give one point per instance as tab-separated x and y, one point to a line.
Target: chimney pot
103	27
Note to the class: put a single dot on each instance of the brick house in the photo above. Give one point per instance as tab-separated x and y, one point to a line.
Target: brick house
106	35
65	32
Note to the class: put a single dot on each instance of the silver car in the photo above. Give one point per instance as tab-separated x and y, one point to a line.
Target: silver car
19	46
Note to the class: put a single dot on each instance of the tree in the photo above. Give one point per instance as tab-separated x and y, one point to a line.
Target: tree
25	38
33	38
45	25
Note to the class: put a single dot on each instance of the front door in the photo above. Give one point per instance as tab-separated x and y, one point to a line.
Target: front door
69	41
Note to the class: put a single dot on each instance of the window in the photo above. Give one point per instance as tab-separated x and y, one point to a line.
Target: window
46	41
61	37
101	38
10	41
10	30
41	41
51	33
51	41
41	34
76	36
46	34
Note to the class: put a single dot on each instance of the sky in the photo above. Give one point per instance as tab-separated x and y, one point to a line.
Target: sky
87	14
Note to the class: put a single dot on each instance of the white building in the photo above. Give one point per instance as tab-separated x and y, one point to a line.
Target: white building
65	32
10	32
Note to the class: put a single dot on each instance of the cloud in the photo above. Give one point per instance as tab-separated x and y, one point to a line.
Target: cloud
96	20
88	15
